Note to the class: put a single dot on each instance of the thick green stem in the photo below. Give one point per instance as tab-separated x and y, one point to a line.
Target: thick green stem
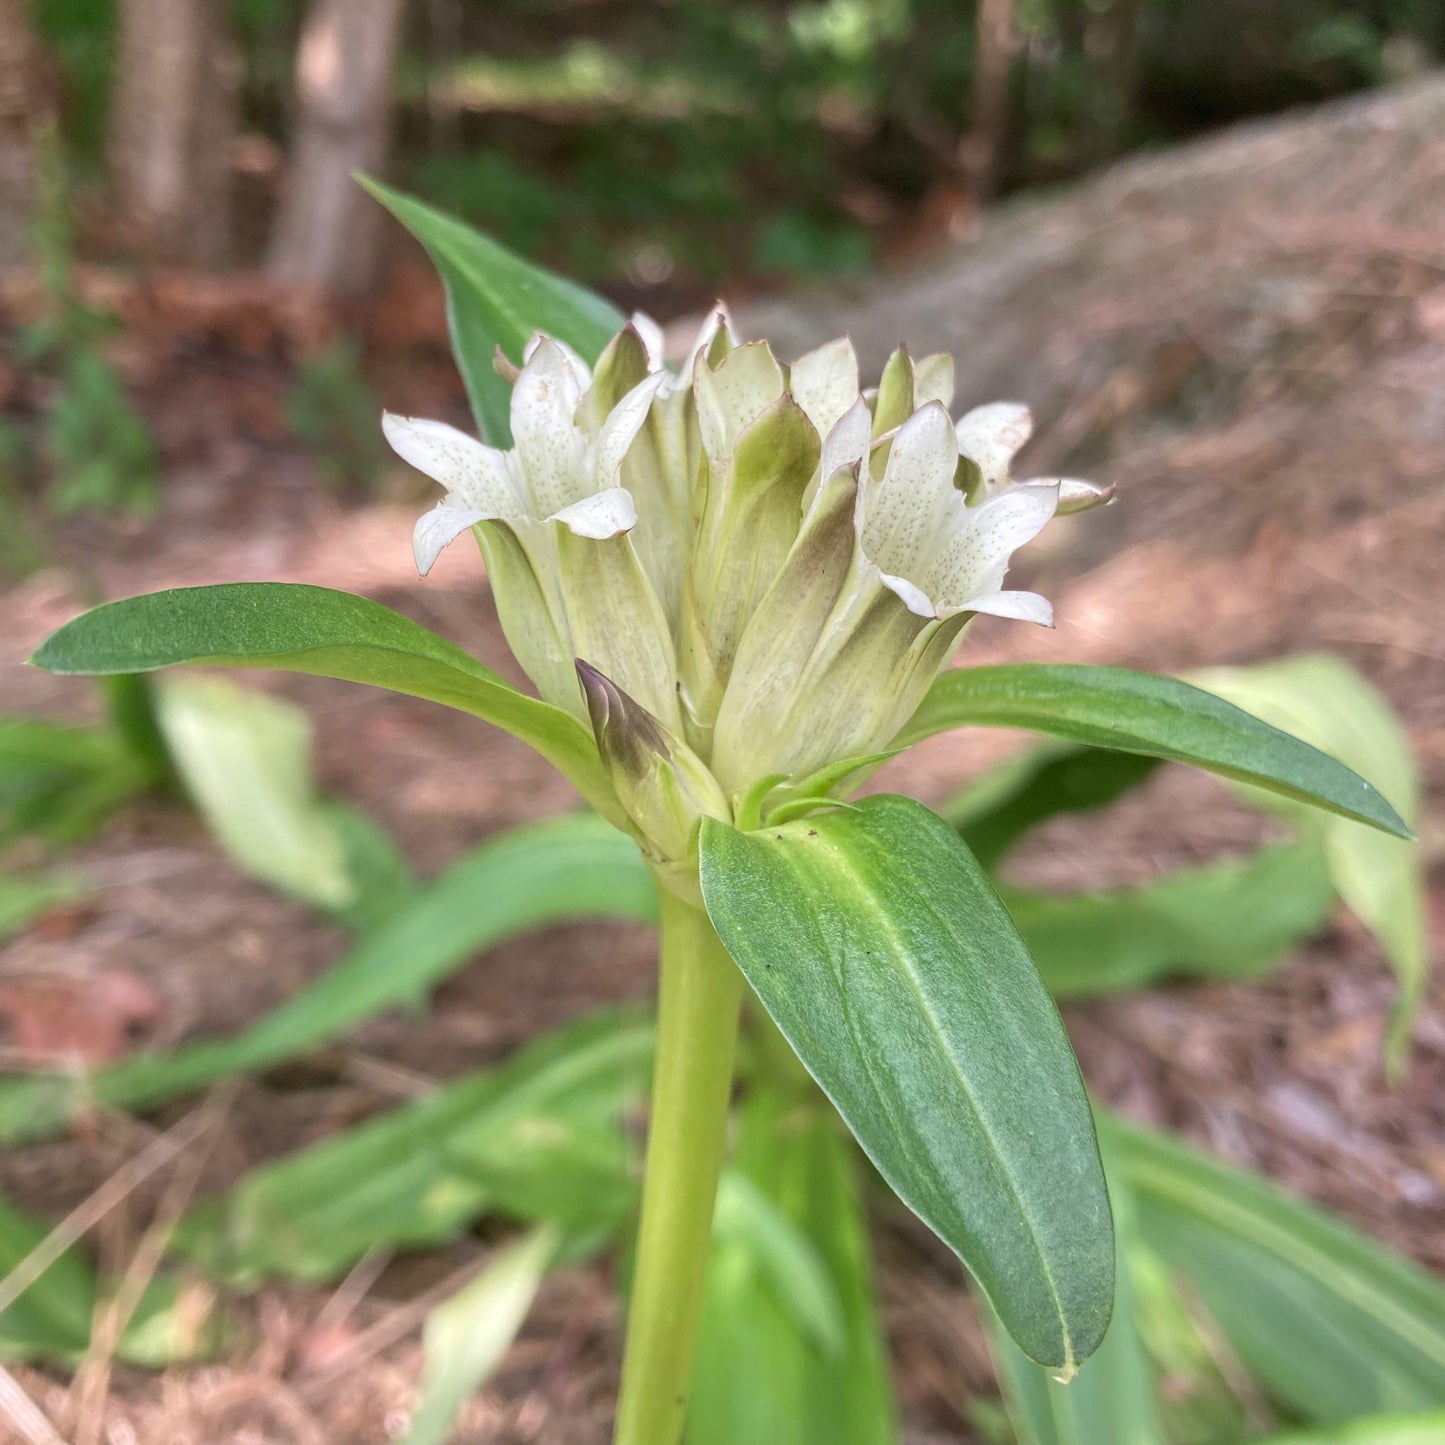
697	1023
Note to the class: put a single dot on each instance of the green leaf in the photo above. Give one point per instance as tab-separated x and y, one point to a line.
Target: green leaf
60	782
1136	712
1325	701
465	1338
1329	1322
1426	1428
245	759
747	1220
573	867
805	1385
382	881
997	809
539	1139
495	298
875	942
1114	1401
298	628
1223	920
51	1319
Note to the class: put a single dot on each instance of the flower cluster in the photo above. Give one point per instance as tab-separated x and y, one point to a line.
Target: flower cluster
744	575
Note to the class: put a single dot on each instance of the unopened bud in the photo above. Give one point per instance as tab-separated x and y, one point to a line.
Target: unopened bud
664	787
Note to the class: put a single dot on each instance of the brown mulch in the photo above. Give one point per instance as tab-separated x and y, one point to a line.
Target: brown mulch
1250	338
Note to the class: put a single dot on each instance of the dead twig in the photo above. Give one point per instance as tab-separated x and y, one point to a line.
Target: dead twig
24	1414
92	1381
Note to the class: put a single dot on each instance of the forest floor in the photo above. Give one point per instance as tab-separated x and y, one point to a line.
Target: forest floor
1263	377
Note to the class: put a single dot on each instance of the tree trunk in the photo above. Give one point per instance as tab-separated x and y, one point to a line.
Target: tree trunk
25	104
1111	40
980	150
325	232
172	122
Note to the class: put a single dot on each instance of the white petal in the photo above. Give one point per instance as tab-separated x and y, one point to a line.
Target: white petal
436	529
745	384
1021	606
1075	494
604	514
825	383
990	435
849	441
652	338
581	372
973	561
914	598
913	507
544	402
933	379
718	319
620	429
475	474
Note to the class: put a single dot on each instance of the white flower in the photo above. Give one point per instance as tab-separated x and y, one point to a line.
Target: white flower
940	555
883	577
555	527
760	568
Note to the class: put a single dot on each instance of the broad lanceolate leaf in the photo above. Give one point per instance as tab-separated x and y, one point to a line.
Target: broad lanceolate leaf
809	1382
1329	1322
1114	1401
245	759
994	811
299	628
1136	712
875	942
573	867
494	298
539	1138
1325	701
465	1338
1223	920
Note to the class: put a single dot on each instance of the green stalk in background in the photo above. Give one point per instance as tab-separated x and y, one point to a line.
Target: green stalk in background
697	1023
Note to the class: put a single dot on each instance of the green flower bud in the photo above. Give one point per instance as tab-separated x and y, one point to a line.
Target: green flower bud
664	787
760	452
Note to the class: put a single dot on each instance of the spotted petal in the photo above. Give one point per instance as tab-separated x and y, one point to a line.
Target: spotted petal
475	475
439	528
544	403
825	383
990	436
620	430
605	514
971	565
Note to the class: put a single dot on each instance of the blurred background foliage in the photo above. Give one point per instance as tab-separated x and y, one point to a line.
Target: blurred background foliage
659	150
160	157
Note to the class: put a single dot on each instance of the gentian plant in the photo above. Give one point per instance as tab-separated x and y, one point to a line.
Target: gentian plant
737	588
